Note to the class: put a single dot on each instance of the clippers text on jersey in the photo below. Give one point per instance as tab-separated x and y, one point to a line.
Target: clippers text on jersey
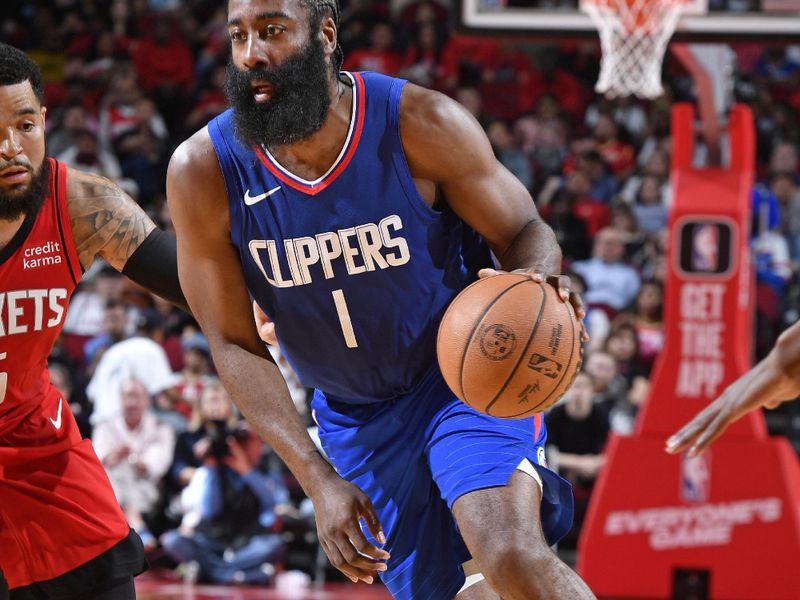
359	249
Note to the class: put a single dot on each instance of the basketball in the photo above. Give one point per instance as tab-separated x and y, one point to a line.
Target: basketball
508	346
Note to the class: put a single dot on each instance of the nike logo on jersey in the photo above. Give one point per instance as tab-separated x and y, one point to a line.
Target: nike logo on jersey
250	200
57	421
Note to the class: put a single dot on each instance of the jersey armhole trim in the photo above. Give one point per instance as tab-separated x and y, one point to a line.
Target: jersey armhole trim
399	159
60	195
224	154
19	237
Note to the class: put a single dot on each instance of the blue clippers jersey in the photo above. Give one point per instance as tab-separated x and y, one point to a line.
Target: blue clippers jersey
354	268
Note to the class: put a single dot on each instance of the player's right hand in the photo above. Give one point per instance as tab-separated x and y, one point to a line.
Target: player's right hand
562	285
338	507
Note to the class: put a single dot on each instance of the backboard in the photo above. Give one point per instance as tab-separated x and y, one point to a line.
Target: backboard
705	20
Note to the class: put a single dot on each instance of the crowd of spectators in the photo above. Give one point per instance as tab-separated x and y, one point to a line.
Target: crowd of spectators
127	80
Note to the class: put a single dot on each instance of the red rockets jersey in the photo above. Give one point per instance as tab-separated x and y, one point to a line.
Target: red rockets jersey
39	270
57	507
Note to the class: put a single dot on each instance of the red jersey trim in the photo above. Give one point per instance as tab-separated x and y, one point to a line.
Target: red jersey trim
58	190
537	426
313	188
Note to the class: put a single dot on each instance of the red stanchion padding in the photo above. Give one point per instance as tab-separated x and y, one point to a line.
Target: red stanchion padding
727	519
725	525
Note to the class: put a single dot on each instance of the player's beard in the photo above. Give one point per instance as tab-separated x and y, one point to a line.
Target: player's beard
29	201
299	104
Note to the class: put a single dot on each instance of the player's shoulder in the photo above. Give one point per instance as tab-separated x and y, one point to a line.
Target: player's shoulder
433	118
440	137
89	194
418	103
82	185
194	165
194	153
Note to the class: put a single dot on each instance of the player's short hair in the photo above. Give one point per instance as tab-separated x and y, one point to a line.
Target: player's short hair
16	67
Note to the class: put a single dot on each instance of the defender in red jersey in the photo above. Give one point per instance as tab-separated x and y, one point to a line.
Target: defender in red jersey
62	533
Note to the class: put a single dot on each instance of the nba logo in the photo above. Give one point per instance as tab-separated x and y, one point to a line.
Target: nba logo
707	245
695	477
705	248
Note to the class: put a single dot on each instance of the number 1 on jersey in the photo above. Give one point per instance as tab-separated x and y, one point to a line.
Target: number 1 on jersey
3	381
344	319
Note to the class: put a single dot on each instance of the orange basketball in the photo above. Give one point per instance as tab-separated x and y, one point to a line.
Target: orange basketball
508	346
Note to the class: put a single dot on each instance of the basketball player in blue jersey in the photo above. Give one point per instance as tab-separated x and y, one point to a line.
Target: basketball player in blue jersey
353	207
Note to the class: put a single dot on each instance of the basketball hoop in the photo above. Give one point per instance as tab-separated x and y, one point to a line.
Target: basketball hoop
633	37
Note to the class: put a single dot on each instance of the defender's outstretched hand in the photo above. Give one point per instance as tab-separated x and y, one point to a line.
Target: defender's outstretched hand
772	381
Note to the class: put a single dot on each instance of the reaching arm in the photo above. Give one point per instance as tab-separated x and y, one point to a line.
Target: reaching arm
445	144
106	222
211	275
212	278
477	187
774	380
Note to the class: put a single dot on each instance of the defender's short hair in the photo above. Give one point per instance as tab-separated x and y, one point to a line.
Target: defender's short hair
17	67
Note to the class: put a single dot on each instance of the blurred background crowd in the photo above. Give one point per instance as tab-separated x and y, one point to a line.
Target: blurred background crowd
127	80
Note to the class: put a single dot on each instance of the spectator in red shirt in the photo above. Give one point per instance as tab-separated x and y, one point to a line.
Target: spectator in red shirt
594	213
619	156
380	56
163	60
421	60
465	57
210	103
551	79
165	66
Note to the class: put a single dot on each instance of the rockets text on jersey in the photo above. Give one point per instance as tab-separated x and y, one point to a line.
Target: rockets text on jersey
39	270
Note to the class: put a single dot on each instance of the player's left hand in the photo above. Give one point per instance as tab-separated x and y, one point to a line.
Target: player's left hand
339	506
562	284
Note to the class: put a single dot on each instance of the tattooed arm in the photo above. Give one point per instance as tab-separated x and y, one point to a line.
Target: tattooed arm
105	221
108	223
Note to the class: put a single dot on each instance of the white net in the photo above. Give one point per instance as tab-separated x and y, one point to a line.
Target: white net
633	37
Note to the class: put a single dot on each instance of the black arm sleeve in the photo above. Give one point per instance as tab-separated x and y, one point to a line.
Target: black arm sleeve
154	265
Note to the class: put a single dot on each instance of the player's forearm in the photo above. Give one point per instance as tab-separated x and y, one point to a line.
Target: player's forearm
785	358
534	248
786	352
258	389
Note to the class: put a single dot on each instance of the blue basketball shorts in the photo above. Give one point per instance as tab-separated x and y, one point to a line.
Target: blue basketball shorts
414	456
